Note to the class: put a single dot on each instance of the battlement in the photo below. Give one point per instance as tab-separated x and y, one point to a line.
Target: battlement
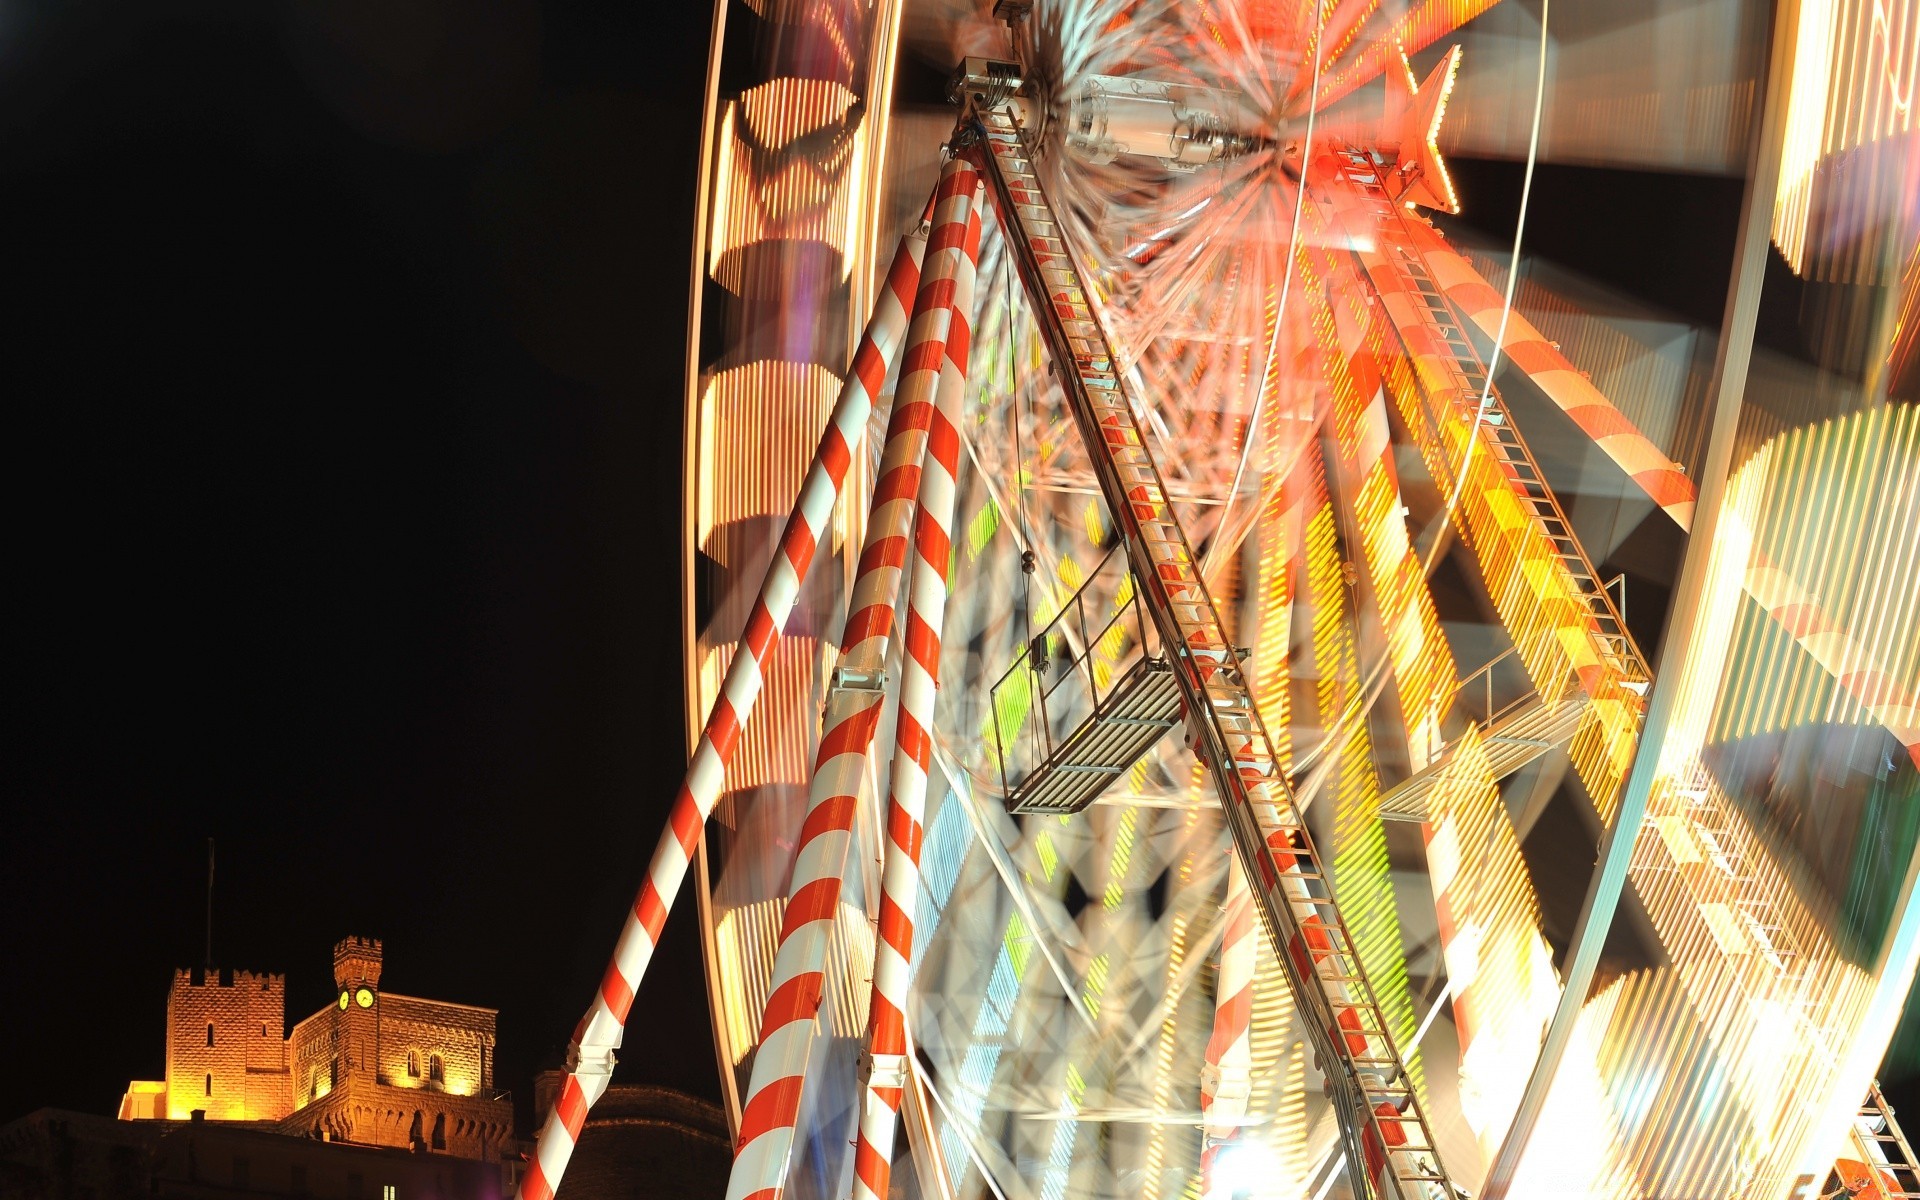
200	977
356	960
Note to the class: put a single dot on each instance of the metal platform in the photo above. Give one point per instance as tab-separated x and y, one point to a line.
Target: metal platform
1088	697
1137	712
1513	733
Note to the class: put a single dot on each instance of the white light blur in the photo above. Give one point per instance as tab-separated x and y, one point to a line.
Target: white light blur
1246	1169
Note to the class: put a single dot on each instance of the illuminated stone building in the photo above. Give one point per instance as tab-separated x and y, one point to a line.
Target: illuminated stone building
373	1067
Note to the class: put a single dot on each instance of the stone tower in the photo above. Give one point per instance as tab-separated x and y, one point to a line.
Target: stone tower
356	961
356	977
226	1046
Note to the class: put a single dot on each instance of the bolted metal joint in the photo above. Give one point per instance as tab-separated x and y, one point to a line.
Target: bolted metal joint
592	1069
852	679
883	1070
985	83
1226	1083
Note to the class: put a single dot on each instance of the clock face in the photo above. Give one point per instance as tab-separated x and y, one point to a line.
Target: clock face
343	1002
364	997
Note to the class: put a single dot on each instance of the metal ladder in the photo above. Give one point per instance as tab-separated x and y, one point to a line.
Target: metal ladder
1883	1150
1499	437
1389	1144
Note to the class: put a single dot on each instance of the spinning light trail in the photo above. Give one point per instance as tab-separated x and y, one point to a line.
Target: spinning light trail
1276	535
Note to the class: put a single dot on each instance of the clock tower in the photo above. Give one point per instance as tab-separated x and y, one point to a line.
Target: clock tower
356	964
356	982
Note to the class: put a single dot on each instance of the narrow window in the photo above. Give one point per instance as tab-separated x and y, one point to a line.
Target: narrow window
413	1063
209	1034
263	1029
437	1070
386	1192
440	1131
413	1133
209	1083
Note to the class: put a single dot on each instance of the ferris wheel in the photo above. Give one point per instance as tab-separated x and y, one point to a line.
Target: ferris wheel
1163	701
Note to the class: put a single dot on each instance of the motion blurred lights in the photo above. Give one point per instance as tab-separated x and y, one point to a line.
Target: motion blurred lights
1247	1171
1855	63
1763	1028
773	184
780	111
1833	633
777	410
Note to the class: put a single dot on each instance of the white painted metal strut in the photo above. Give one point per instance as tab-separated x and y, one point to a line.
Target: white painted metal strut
1390	1147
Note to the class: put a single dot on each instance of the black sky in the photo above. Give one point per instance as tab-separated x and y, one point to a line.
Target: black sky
343	368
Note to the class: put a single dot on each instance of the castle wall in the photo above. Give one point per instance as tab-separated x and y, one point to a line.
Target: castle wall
226	1046
314	1052
462	1037
352	1073
367	1113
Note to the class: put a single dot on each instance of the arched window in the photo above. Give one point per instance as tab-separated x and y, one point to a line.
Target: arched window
440	1131
413	1063
413	1132
209	1083
436	1070
209	1033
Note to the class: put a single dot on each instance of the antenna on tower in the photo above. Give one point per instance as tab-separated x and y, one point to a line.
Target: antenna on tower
209	904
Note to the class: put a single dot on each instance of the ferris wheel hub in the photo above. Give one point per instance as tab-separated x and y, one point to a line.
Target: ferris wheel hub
1181	126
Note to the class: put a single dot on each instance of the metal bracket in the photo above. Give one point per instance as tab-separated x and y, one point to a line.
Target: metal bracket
851	679
1226	1083
883	1070
988	82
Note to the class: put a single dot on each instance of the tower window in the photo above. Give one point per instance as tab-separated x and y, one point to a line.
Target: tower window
209	1033
440	1131
413	1063
209	1083
436	1069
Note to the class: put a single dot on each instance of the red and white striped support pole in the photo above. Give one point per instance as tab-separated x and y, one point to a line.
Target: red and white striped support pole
853	712
1646	464
884	1064
1226	1081
591	1056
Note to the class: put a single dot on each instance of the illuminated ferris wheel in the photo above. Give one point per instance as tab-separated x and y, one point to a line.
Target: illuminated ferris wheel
1170	724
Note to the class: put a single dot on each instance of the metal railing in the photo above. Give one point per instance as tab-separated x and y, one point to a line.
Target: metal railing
1072	670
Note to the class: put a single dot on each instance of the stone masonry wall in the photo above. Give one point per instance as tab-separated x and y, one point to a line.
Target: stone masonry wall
462	1036
226	1046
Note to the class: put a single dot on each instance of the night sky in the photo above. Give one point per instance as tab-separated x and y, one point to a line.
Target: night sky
343	348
